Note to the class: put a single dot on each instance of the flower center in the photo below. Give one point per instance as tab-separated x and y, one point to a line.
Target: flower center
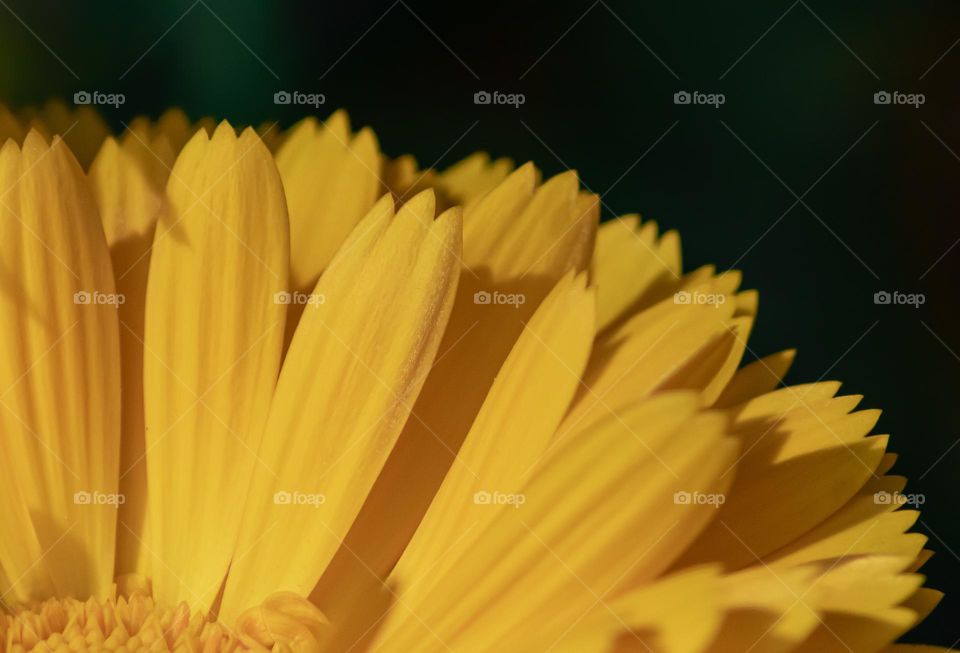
130	621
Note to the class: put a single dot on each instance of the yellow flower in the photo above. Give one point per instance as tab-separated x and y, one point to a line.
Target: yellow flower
280	391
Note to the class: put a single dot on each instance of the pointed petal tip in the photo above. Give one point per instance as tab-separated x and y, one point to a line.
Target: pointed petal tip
34	140
224	129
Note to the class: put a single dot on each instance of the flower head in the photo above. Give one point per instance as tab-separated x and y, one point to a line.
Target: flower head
280	391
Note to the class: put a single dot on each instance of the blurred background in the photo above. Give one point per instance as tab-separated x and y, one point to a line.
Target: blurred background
822	196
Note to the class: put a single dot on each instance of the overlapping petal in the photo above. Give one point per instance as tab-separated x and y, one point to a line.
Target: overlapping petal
363	427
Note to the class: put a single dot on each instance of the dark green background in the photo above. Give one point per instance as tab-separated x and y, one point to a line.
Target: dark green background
598	100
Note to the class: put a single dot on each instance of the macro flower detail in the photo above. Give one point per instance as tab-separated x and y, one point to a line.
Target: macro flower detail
279	391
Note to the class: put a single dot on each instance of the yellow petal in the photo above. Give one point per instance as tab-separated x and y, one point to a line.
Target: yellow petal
747	303
864	525
673	345
629	261
495	298
283	622
386	299
331	180
219	259
82	128
757	378
864	585
839	633
889	459
271	135
468	180
128	179
923	602
60	381
572	540
176	127
766	611
676	614
510	233
813	459
519	415
403	178
714	365
786	609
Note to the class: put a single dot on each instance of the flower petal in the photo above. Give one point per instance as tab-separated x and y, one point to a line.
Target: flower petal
331	180
515	425
573	539
811	455
862	526
386	300
468	180
511	433
555	236
128	179
629	262
60	381
220	256
757	378
82	128
672	345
